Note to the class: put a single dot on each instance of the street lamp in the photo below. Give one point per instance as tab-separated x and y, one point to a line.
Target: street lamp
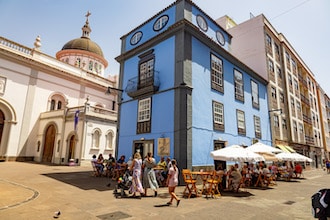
108	91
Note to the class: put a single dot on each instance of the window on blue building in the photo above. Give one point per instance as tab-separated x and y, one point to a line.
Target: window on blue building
255	94
146	69
257	127
144	116
240	122
218	116
160	23
239	85
216	73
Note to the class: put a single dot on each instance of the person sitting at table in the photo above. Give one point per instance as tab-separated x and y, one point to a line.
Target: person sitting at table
221	171
234	179
162	171
246	175
130	161
111	162
274	169
254	172
120	167
99	163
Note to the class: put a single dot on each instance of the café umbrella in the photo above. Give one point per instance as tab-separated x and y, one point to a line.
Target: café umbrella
295	157
236	153
263	148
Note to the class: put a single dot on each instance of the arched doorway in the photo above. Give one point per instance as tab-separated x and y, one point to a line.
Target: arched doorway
48	148
72	146
2	124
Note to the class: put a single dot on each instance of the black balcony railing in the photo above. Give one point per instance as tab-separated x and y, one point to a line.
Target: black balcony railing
309	140
136	86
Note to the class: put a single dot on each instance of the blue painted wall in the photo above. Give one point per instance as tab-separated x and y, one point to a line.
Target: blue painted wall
162	113
212	27
203	133
162	104
147	28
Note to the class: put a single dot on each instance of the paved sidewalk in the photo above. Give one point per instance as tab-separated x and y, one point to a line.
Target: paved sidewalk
36	191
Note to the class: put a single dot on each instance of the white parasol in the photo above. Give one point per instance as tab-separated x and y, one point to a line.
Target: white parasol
295	157
236	153
263	148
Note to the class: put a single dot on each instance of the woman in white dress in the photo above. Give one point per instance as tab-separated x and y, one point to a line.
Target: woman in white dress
136	167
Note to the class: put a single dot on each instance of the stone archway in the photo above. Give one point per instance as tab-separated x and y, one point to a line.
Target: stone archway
49	142
8	118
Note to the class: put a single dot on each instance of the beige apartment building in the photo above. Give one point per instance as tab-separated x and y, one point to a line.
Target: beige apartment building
324	101
295	111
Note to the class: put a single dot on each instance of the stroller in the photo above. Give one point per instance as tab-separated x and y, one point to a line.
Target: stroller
124	182
320	204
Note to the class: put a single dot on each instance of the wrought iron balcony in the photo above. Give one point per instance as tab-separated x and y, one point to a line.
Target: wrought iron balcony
137	86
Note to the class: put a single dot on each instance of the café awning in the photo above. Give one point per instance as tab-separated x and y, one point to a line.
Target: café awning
286	148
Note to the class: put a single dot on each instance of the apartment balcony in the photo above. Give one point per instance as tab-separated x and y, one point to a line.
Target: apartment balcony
307	119
137	86
87	111
309	140
302	81
304	99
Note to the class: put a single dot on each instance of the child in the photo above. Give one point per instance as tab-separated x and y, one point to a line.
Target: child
172	182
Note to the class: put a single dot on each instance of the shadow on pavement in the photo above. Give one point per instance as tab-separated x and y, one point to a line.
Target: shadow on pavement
236	194
260	188
83	180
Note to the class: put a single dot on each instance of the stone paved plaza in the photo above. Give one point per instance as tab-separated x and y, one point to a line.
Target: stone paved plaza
37	191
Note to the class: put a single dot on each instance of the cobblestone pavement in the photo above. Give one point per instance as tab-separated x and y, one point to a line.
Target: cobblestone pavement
37	191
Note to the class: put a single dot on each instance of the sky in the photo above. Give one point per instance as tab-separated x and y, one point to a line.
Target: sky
304	23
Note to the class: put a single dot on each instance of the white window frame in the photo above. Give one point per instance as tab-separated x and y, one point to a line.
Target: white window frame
146	71
240	119
239	84
255	93
217	70
257	124
144	110
218	116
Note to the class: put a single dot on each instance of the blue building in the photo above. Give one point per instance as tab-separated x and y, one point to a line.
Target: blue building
184	94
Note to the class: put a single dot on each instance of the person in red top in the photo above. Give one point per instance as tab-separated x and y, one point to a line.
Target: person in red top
298	169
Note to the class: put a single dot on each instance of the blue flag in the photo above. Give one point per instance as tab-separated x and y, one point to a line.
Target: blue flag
76	119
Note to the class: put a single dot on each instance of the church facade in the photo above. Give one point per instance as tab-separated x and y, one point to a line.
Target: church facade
56	110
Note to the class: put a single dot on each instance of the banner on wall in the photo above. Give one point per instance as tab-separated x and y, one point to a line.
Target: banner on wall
163	146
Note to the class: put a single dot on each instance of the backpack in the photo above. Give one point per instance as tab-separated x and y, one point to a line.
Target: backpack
320	203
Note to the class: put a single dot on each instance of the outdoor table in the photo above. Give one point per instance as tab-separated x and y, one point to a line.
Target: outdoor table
158	172
203	175
263	179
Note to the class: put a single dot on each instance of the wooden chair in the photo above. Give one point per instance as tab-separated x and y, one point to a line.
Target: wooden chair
272	179
96	171
190	183
213	184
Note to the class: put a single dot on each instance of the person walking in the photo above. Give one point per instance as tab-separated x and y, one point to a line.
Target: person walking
136	168
172	182
149	177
